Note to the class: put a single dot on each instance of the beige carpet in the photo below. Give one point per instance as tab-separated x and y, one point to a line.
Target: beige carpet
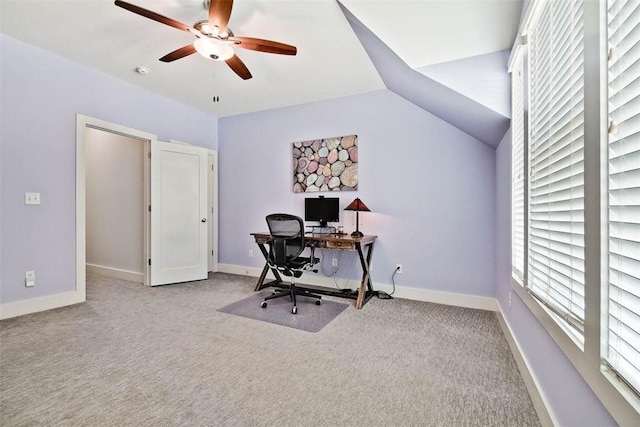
165	356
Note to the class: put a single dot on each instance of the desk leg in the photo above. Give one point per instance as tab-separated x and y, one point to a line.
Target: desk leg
262	277
365	284
260	285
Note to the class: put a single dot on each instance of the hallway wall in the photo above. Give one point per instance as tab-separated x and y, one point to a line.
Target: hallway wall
115	202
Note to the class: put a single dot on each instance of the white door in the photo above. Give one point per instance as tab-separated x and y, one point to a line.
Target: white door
178	213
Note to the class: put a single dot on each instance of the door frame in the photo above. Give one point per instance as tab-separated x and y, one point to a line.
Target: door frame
212	210
82	123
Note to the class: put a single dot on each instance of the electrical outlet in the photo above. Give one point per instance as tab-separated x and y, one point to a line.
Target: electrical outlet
334	262
399	268
29	278
31	198
250	253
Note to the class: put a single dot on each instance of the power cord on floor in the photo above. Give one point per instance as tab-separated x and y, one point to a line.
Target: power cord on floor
383	294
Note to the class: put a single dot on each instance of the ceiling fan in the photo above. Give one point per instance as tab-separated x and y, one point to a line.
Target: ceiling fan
214	39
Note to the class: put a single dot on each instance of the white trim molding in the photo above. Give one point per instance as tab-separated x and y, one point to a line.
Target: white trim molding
34	305
530	381
82	123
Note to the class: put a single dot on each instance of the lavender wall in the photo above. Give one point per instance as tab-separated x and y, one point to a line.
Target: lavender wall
570	399
41	95
483	78
431	188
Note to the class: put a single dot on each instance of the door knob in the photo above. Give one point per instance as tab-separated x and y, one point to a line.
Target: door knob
204	219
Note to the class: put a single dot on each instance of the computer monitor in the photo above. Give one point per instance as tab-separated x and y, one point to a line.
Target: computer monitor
322	209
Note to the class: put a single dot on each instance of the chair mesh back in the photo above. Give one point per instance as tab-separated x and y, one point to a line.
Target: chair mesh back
289	228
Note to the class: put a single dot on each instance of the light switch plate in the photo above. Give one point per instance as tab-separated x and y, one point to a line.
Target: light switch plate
29	278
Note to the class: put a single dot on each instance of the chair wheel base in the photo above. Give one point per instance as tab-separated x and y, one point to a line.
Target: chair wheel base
263	304
318	302
294	310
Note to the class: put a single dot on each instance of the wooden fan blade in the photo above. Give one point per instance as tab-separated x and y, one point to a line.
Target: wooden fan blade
219	13
152	15
262	45
179	53
238	67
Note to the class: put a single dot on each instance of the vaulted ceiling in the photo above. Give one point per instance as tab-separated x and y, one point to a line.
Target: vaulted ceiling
344	47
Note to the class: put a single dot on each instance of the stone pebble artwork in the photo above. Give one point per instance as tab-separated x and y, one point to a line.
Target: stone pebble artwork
329	164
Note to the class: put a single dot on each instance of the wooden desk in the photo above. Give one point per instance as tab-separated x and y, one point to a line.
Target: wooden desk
326	241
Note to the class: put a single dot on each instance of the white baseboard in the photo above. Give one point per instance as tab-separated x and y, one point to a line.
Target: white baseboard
241	270
116	273
438	297
531	383
19	308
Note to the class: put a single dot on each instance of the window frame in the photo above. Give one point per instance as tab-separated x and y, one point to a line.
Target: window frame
618	399
606	206
518	64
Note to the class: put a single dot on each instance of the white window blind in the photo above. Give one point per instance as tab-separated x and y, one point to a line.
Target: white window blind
623	155
556	161
517	167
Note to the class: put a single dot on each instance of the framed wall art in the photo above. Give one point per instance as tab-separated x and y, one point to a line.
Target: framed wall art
329	164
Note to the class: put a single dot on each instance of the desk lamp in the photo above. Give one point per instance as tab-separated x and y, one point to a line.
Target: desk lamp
358	206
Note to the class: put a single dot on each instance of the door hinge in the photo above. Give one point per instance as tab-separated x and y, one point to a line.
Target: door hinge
149	261
149	154
211	253
149	208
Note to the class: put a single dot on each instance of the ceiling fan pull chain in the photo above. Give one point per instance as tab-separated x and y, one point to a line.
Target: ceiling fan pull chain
216	97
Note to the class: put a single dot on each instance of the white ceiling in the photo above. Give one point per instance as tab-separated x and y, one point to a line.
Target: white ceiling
330	62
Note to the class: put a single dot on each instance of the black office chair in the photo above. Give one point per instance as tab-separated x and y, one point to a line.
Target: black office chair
286	244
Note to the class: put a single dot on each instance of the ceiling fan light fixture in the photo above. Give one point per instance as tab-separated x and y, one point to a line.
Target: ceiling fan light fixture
213	49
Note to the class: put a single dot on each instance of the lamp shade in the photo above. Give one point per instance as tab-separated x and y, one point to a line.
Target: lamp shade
213	49
357	205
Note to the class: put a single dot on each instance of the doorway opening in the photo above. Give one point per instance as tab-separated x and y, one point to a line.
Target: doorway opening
116	193
87	128
138	267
